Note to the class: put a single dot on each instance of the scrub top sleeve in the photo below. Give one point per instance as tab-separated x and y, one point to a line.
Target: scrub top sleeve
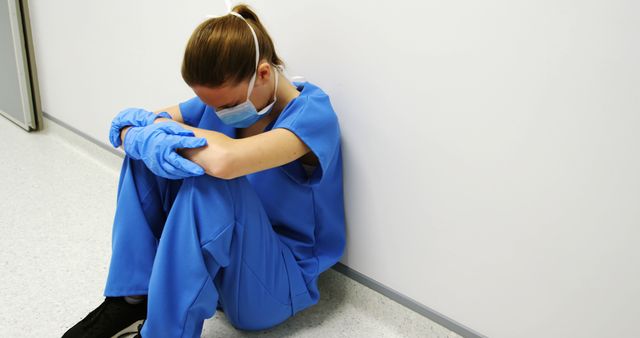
316	124
192	111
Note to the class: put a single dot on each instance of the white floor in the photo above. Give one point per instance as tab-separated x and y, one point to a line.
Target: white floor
58	194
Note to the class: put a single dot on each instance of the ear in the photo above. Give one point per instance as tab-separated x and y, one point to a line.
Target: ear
264	73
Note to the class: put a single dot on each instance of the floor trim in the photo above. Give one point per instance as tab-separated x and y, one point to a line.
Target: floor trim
407	302
339	267
83	135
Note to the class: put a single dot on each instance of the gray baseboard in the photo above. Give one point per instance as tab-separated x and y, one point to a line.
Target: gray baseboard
339	267
407	302
83	135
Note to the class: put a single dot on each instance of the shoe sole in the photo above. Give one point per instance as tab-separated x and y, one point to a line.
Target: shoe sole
133	328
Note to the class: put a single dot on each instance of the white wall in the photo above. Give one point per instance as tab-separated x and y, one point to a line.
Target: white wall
491	149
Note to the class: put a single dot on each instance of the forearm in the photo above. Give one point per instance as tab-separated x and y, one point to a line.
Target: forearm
174	111
212	157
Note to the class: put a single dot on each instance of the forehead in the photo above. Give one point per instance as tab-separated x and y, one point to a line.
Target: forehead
221	95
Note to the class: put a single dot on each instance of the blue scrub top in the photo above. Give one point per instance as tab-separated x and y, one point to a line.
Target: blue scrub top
306	210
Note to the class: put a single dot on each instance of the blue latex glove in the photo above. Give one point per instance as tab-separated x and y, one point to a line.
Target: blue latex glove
156	145
136	117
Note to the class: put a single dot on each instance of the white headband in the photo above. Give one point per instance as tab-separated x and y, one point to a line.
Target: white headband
255	37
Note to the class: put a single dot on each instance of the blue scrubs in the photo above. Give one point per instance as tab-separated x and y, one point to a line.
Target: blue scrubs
253	245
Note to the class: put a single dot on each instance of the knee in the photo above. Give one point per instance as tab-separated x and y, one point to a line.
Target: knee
209	186
208	198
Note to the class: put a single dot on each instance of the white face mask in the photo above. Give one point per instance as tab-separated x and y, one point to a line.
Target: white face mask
245	114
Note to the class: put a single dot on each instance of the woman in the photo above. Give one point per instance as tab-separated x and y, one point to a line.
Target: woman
220	205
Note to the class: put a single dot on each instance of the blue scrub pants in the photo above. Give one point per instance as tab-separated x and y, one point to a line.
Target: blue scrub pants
192	245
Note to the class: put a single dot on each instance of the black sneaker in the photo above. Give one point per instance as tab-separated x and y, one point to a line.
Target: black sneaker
113	318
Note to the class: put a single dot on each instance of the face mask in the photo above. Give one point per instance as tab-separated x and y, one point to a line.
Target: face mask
245	114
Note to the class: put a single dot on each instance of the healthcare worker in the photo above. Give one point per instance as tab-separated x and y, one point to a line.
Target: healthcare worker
231	200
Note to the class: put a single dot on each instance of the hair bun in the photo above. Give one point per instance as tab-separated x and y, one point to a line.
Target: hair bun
245	12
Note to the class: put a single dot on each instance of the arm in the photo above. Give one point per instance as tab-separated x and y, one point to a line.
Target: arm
174	111
208	160
263	151
211	157
228	158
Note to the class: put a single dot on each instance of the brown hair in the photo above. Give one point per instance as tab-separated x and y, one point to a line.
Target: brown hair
222	50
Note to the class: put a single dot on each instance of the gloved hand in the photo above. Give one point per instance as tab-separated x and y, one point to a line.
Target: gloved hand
156	145
137	117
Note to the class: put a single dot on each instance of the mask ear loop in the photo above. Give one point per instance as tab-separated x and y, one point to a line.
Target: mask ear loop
255	37
255	41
